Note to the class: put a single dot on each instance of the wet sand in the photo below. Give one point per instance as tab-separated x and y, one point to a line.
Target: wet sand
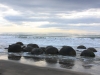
15	68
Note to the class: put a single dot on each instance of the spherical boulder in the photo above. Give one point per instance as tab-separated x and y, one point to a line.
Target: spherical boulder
51	50
33	45
92	49
81	47
28	49
14	48
67	51
87	53
37	51
49	46
20	43
43	48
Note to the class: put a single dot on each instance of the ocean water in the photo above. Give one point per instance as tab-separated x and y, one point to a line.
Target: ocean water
80	64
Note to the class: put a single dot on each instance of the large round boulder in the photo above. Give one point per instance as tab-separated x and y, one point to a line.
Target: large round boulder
92	49
20	43
14	48
51	50
87	53
28	49
81	47
43	48
37	51
67	51
49	46
33	45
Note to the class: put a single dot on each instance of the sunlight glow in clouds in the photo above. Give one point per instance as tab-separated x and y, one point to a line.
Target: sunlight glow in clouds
5	10
82	14
34	24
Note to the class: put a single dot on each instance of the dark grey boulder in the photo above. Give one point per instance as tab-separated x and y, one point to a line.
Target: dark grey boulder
87	53
81	47
28	49
92	49
43	48
20	43
33	45
37	51
49	46
14	48
51	50
67	51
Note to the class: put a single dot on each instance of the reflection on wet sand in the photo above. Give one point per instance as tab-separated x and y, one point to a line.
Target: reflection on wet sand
35	59
14	56
87	64
66	63
51	60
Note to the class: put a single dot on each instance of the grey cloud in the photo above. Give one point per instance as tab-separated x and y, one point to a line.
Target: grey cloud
74	21
51	5
69	27
31	8
22	19
52	19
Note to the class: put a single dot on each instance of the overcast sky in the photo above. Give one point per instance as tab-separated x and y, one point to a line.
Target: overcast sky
50	16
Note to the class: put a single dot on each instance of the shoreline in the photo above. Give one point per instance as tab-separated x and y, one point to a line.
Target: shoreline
14	68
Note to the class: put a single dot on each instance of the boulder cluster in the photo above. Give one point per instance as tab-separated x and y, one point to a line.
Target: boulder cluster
36	50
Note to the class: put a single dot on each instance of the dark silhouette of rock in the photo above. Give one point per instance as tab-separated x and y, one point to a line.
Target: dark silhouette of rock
92	49
67	51
81	47
51	50
48	46
64	46
33	45
28	49
87	53
20	43
37	51
14	48
43	48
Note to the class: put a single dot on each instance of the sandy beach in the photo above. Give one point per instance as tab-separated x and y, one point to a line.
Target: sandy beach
15	68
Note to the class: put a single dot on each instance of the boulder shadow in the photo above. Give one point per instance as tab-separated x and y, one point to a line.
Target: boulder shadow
66	63
51	60
33	58
87	63
14	56
36	59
